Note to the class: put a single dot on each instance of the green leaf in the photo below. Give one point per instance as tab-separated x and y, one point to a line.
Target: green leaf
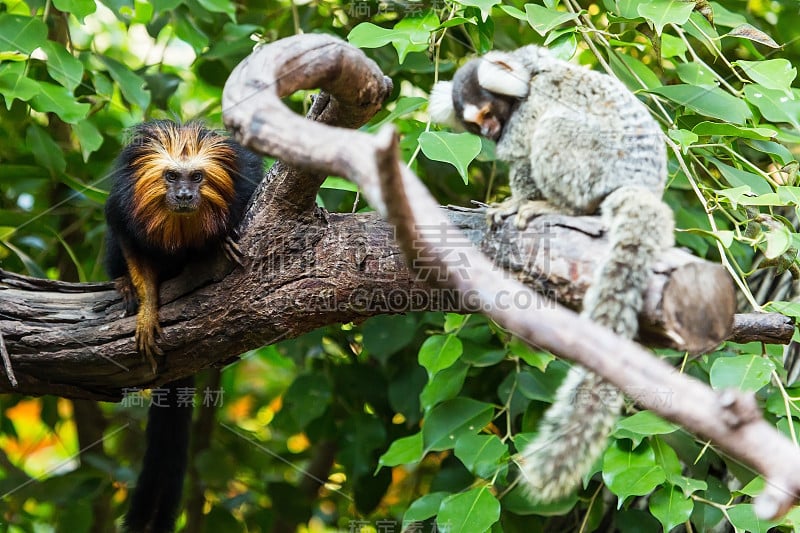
744	518
696	74
130	83
737	178
779	151
683	137
632	72
666	458
62	66
743	372
187	30
537	386
775	74
59	100
458	149
453	321
544	20
403	451
425	507
536	358
162	6
789	194
737	195
411	34
774	105
663	12
687	484
473	511
728	19
514	12
385	335
628	9
702	30
711	102
79	8
730	130
485	6
439	352
725	237
17	87
779	239
88	136
23	34
403	106
339	184
481	454
91	192
220	6
642	424
786	308
45	150
306	400
448	421
672	47
443	386
361	434
670	507
631	473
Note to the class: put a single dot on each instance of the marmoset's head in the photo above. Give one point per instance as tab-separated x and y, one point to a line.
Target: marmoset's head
482	96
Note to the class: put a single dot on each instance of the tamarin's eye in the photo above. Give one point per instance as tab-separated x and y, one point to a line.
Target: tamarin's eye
197	176
170	175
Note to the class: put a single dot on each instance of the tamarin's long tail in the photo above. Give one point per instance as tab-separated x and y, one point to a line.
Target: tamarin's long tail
157	496
574	430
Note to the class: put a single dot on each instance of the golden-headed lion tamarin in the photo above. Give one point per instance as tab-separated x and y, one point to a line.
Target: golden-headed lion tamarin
178	194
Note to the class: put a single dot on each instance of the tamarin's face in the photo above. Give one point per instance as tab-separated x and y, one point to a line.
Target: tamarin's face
181	169
183	188
480	111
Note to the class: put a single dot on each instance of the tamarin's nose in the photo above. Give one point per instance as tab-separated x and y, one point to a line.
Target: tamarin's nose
184	195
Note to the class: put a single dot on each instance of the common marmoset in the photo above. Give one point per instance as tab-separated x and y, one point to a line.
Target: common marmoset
577	142
178	194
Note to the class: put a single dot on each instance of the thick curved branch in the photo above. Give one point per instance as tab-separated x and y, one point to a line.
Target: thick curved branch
71	339
730	419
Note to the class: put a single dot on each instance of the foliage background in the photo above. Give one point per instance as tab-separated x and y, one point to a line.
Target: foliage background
348	402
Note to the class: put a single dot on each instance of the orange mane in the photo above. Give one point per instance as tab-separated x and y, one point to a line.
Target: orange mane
165	146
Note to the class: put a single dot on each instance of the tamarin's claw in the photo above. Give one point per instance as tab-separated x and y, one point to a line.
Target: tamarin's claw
126	290
146	334
232	250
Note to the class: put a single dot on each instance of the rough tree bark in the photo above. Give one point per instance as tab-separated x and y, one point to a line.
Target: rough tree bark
304	268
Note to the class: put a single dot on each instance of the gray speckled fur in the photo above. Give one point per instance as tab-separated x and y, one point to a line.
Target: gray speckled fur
578	136
582	142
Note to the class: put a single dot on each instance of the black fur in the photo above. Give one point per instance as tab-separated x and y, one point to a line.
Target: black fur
157	496
156	499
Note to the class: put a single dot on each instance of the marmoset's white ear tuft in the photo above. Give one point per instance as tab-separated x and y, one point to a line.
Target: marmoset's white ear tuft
499	73
440	104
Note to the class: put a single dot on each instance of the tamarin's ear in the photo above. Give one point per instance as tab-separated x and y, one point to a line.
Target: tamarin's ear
440	104
499	73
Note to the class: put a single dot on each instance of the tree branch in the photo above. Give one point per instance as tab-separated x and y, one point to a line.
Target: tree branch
730	419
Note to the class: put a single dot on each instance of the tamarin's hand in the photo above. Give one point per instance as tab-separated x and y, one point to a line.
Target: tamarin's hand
178	194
